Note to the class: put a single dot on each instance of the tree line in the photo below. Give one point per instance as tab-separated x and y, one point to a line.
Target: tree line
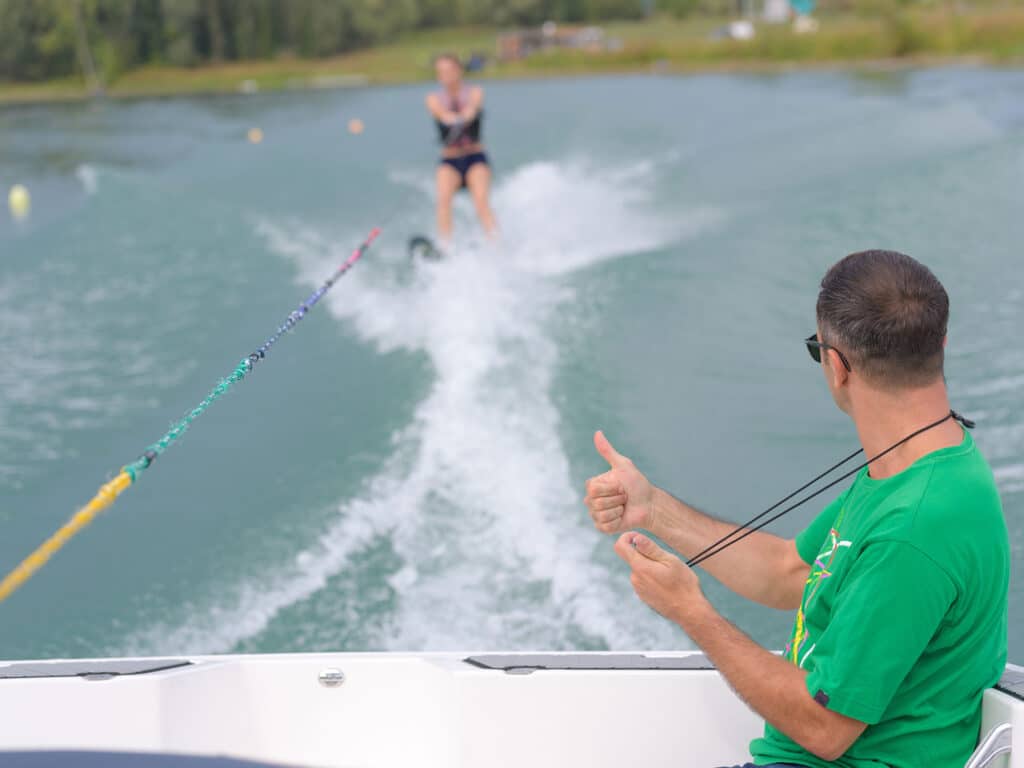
44	39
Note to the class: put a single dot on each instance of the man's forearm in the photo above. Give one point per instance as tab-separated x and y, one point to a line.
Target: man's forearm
770	685
761	567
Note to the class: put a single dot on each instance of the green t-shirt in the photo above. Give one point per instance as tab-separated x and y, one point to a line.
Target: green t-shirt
902	624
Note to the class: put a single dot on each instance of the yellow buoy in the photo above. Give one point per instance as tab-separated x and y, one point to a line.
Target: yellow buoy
355	125
255	135
19	201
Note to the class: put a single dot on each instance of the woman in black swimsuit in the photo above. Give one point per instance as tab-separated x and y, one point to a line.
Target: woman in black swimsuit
458	111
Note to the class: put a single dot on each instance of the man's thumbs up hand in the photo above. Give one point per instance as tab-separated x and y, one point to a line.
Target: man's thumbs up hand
621	498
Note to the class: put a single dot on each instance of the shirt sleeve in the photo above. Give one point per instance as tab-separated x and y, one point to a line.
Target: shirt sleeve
886	612
810	539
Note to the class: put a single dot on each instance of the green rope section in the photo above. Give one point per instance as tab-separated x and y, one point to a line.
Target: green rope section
178	429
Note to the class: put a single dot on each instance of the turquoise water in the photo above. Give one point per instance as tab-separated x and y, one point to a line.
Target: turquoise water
405	470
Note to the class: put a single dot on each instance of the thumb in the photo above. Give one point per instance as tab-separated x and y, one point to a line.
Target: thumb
608	453
647	547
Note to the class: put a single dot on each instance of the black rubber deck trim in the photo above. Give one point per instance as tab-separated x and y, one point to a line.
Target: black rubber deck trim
99	669
1012	682
524	663
72	759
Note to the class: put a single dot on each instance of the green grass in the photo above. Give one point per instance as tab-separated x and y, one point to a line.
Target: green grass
992	33
51	90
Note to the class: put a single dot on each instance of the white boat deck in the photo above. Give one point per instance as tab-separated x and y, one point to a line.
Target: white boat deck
401	710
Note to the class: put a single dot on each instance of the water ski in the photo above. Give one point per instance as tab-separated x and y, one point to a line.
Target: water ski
421	247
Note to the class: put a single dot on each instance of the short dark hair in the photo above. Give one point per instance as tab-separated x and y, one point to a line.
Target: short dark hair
888	314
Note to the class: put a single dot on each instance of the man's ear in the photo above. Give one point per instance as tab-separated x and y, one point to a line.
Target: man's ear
836	369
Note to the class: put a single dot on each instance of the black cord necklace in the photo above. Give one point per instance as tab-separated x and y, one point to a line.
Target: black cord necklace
745	530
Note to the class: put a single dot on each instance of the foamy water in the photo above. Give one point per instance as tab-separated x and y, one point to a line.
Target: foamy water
476	500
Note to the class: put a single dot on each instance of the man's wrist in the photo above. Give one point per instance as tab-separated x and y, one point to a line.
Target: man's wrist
661	513
695	613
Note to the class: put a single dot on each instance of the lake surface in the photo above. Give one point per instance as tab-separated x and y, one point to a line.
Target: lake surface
405	470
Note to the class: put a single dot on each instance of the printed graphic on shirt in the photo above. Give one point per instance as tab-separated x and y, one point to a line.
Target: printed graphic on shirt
800	645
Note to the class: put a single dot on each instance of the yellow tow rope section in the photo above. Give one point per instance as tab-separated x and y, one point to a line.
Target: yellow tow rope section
104	498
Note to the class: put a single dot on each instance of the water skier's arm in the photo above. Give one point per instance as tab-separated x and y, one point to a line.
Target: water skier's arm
438	111
473	105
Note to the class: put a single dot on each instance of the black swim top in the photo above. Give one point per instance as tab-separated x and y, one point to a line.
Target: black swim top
459	134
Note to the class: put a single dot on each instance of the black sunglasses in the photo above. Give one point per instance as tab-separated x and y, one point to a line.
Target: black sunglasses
814	348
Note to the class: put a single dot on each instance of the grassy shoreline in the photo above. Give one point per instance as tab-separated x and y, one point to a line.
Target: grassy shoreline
993	36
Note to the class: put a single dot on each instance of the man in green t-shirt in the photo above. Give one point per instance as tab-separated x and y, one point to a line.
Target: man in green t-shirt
900	585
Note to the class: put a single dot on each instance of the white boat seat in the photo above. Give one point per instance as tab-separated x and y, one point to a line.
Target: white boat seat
997	741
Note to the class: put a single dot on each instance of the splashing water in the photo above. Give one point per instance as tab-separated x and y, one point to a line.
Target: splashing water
495	548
